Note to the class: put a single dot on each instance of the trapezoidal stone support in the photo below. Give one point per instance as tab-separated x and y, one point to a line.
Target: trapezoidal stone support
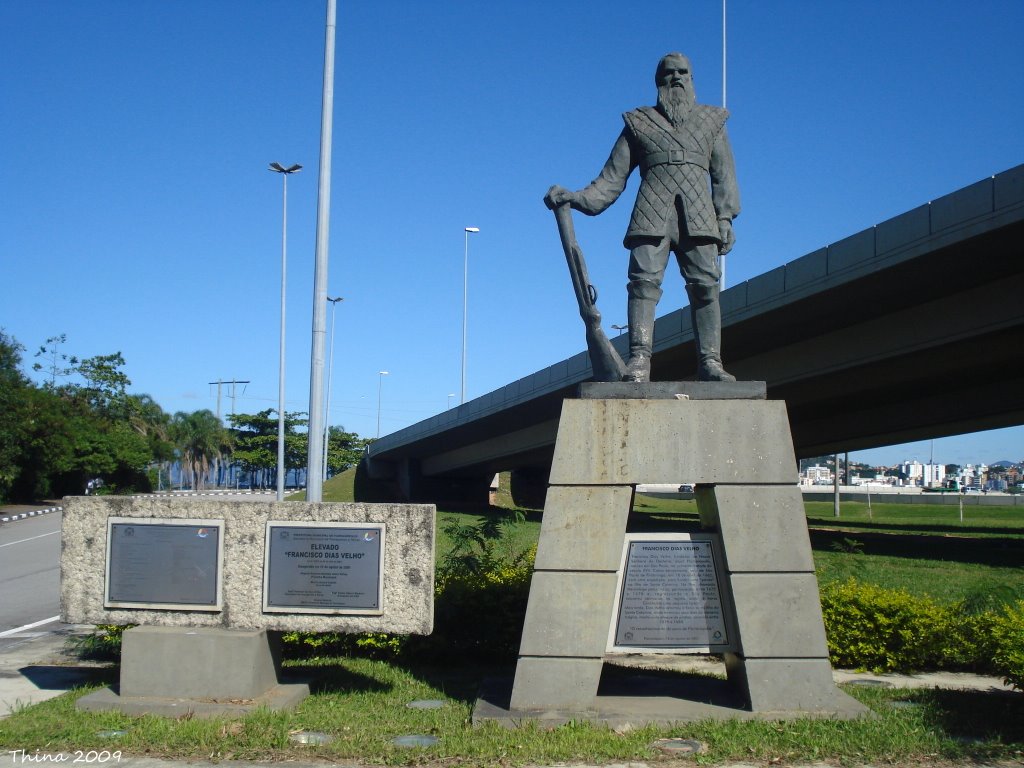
571	596
739	453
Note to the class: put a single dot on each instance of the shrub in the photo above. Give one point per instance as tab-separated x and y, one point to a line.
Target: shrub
480	597
483	585
103	644
373	645
1008	634
881	629
870	627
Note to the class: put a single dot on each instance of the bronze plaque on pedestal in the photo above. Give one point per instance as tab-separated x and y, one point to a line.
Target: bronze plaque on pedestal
169	563
669	596
334	568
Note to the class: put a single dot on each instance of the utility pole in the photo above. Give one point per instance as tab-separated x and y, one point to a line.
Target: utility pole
233	382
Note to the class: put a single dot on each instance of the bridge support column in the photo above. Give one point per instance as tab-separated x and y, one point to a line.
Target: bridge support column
736	447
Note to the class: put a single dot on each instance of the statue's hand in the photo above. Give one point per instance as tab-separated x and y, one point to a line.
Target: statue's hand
557	196
726	234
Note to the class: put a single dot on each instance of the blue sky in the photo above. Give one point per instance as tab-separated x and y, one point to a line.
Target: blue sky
139	214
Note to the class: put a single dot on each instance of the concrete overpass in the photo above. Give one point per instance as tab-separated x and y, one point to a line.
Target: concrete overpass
909	330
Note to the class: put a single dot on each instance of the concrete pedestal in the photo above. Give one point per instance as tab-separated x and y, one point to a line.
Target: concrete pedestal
198	671
736	448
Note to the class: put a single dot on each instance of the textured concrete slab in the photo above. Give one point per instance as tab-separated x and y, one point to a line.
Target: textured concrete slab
673	390
625	702
779	615
198	663
804	685
280	697
408	563
553	682
582	527
629	442
765	526
568	614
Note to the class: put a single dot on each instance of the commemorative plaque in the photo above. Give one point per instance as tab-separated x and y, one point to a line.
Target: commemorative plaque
669	597
331	568
164	563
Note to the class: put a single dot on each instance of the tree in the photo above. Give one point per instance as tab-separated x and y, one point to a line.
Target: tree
13	390
200	439
54	438
150	421
344	450
255	437
106	385
56	359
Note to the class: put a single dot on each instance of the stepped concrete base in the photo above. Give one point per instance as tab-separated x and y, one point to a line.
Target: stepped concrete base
280	697
638	699
201	672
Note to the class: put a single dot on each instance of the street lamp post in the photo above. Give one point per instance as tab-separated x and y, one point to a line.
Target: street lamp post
380	386
285	173
330	378
465	305
450	396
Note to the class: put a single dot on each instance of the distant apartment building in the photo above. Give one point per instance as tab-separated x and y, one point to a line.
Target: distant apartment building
816	475
923	475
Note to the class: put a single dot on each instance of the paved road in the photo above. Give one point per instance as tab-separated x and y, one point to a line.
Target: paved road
29	574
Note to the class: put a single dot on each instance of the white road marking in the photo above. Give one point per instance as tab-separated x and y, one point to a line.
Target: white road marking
33	625
30	538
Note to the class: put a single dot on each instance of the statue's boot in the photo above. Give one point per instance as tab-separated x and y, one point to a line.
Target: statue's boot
640	315
707	330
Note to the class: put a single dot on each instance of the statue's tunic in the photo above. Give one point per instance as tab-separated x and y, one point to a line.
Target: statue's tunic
675	165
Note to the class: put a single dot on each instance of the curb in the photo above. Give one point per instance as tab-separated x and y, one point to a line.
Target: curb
30	513
10	518
202	493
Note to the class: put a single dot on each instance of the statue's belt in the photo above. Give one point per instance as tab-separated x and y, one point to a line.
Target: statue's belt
676	157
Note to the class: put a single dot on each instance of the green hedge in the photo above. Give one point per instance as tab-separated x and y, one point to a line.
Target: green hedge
870	627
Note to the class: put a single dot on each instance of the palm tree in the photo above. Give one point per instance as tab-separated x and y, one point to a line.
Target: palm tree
199	437
148	419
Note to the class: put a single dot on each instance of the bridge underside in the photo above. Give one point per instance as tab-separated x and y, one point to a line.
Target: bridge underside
913	329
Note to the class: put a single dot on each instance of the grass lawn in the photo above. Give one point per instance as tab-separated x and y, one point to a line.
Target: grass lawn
362	704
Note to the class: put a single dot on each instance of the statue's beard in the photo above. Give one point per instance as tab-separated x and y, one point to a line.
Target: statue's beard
675	103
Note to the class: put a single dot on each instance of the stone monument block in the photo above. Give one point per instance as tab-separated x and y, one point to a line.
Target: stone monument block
570	614
700	441
207	579
408	563
569	542
546	683
779	615
791	686
774	513
201	663
768	621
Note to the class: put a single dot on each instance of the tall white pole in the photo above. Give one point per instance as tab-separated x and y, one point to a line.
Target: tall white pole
285	173
314	478
722	258
465	306
723	54
280	377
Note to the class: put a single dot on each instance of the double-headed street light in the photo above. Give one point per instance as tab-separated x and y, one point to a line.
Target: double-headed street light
285	173
465	305
380	385
330	377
